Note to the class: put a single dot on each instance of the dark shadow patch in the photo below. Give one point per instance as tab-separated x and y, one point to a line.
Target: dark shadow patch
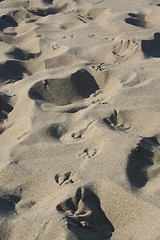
139	160
151	141
5	107
134	15
8	203
137	20
33	94
2	129
84	83
12	71
47	1
65	91
43	12
151	48
20	54
56	131
84	216
7	21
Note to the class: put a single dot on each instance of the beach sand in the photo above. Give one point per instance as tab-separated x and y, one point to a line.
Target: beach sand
79	120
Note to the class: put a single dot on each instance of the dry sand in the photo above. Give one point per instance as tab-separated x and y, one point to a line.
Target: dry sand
80	120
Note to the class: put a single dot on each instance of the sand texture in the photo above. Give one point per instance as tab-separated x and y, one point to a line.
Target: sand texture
79	120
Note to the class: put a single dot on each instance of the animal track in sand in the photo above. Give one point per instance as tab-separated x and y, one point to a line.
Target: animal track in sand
79	134
113	52
88	153
65	178
100	67
82	18
151	48
99	102
115	122
83	215
77	86
143	162
91	36
56	46
125	48
136	19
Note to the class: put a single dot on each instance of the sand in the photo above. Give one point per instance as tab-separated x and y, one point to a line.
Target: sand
79	120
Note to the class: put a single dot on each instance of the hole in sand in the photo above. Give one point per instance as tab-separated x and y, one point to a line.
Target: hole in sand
65	91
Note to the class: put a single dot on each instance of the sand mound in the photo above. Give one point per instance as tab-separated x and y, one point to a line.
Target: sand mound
48	133
64	59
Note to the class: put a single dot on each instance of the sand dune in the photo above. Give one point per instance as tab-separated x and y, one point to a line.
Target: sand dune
79	120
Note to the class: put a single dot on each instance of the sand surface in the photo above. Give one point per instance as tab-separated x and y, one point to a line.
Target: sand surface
79	120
